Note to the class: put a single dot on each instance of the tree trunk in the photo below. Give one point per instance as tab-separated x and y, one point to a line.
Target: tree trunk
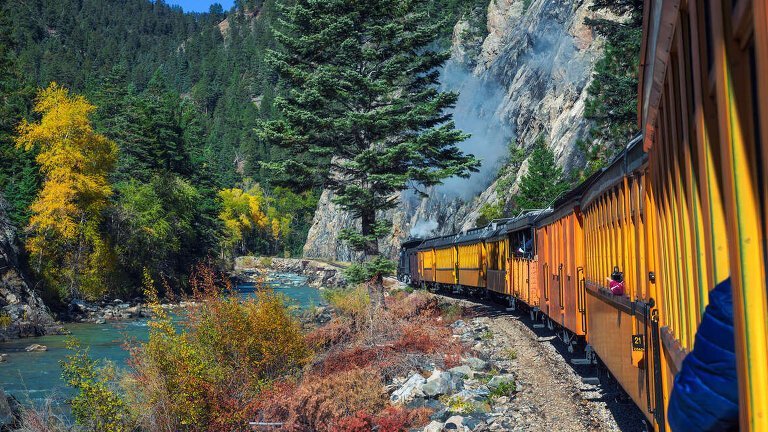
370	252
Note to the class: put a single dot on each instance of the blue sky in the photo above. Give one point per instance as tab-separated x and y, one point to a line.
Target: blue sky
200	5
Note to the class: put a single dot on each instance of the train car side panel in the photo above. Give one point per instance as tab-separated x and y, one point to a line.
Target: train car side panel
445	265
497	265
471	265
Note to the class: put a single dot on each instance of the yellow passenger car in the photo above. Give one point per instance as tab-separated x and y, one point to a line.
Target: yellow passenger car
561	252
472	265
446	262
703	94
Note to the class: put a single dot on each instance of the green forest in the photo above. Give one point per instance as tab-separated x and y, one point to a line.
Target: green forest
206	164
182	97
143	149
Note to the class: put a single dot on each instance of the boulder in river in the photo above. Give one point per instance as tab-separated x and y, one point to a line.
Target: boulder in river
36	348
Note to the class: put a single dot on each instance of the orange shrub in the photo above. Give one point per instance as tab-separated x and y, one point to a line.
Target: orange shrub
321	401
336	332
360	422
391	419
397	419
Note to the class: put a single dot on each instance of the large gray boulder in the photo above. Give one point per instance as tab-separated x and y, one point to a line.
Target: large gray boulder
22	312
411	389
439	383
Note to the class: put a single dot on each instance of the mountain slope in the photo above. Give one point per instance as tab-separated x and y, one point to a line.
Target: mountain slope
533	68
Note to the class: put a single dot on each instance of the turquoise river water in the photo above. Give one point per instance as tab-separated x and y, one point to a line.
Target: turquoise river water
35	377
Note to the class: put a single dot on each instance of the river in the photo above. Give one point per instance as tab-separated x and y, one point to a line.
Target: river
34	377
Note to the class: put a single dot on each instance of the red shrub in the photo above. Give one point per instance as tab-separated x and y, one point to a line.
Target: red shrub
360	422
321	401
353	358
337	331
398	419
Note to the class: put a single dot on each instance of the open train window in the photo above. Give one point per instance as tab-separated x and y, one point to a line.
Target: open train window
521	243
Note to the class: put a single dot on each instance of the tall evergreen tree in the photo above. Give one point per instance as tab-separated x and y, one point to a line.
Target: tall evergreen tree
612	95
543	182
160	127
18	173
362	114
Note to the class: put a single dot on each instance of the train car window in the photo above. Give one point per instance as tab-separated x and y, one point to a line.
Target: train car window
521	243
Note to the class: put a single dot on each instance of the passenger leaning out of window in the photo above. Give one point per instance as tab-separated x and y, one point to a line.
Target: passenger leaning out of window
616	282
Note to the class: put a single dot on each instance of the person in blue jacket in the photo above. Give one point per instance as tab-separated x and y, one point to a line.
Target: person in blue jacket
705	395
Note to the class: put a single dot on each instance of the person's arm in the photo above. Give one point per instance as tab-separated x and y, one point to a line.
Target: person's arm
705	394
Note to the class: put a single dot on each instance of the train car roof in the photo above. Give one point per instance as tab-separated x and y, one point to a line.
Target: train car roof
411	243
523	221
435	242
526	220
474	235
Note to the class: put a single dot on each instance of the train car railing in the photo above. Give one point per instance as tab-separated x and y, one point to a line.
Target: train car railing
560	285
581	300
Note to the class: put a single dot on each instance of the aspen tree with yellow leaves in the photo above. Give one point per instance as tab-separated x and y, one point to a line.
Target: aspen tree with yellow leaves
66	244
249	218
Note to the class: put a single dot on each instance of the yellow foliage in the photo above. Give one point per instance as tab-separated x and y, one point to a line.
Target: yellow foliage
67	213
247	215
208	372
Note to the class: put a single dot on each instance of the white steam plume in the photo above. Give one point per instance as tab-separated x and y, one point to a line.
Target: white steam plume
424	229
477	113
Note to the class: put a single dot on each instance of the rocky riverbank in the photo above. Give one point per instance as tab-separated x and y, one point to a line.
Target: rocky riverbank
22	312
114	310
318	273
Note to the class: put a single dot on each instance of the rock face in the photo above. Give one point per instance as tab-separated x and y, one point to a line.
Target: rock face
541	56
22	312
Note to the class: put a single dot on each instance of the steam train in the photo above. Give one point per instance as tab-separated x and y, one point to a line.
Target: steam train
681	209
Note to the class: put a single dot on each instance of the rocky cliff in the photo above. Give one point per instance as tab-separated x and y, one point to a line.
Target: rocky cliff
22	312
527	78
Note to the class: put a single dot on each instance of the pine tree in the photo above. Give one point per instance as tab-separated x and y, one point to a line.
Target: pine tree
612	95
18	174
160	127
543	182
362	114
